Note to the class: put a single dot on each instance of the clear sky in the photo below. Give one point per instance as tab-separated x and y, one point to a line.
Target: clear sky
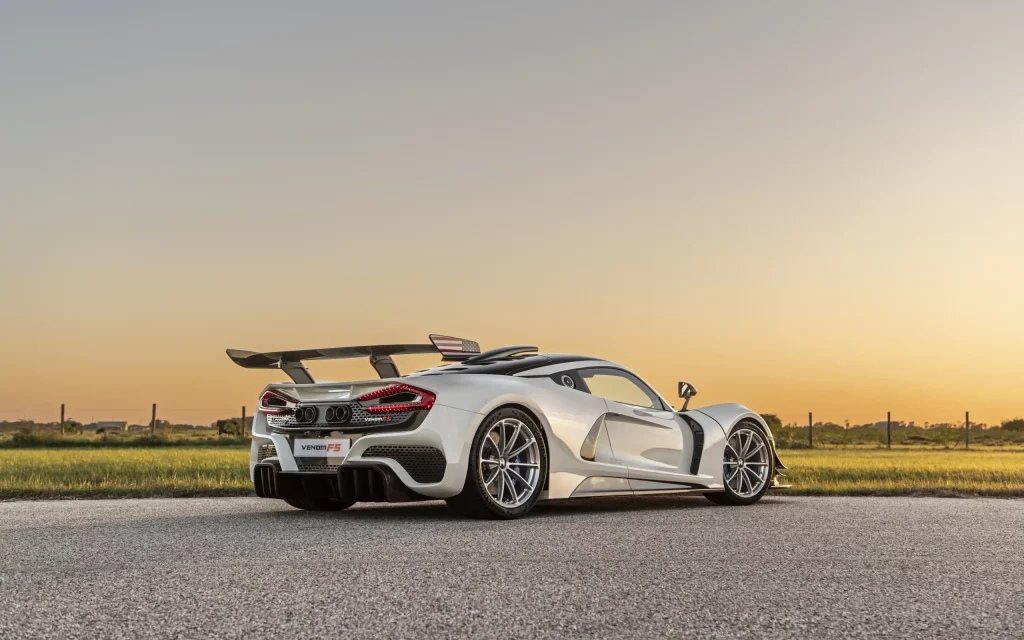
800	206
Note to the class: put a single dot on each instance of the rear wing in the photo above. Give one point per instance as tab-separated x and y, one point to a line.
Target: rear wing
379	354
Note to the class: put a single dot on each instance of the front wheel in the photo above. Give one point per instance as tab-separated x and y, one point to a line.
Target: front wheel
507	466
748	467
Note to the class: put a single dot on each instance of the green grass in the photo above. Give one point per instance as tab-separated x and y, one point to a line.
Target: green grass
906	471
124	471
179	471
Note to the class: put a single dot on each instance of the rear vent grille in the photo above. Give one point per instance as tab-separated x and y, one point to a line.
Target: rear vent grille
347	417
315	465
423	464
266	451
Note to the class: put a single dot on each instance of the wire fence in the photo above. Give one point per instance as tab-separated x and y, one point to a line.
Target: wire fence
888	433
237	425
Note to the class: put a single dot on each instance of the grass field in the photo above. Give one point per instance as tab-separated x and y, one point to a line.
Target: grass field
872	471
123	471
222	471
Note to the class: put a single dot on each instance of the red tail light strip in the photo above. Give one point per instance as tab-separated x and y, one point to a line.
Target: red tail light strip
425	402
275	409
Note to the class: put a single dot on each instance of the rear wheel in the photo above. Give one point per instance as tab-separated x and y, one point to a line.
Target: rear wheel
508	464
748	467
308	503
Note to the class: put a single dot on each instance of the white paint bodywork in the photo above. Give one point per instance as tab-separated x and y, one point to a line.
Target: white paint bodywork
638	450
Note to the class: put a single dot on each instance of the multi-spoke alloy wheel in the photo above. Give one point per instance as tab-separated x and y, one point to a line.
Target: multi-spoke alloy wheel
509	461
747	467
507	467
746	462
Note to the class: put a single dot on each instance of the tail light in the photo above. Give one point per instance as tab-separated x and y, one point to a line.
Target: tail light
277	403
397	398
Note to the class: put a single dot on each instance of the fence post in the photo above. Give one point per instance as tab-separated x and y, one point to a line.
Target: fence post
967	429
243	420
888	429
62	419
810	433
152	422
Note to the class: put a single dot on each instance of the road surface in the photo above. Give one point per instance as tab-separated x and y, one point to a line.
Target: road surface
660	567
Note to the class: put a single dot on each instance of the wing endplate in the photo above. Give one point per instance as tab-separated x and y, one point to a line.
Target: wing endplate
452	348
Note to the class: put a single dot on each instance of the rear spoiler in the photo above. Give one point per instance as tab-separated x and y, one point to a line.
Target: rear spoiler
379	354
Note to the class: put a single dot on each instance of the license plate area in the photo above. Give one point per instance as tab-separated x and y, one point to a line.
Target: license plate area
320	455
328	449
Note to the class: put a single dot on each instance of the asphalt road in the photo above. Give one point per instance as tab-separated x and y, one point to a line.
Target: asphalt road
679	567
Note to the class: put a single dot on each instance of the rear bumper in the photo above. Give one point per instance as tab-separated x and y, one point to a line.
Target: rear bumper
429	461
351	483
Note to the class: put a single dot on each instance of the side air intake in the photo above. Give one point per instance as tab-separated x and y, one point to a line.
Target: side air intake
698	445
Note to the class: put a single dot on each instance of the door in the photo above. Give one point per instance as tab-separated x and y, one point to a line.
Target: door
644	435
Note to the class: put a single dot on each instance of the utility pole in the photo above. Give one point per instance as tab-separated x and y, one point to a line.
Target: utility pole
888	429
810	427
967	430
62	419
243	421
152	422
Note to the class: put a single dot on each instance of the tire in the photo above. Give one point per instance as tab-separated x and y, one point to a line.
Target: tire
513	483
317	504
749	454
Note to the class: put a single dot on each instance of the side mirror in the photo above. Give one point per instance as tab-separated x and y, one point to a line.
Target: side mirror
686	391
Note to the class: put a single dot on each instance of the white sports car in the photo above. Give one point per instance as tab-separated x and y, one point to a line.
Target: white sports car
492	433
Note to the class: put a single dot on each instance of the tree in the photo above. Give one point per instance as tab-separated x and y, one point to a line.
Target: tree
772	420
230	426
1017	424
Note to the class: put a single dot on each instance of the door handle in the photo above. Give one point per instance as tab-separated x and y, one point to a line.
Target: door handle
642	414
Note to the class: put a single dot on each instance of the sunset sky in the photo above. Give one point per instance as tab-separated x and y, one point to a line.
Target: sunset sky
799	206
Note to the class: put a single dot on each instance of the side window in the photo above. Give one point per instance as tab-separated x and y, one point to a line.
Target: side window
620	386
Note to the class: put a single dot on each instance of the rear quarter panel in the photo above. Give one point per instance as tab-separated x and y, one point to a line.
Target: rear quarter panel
566	416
